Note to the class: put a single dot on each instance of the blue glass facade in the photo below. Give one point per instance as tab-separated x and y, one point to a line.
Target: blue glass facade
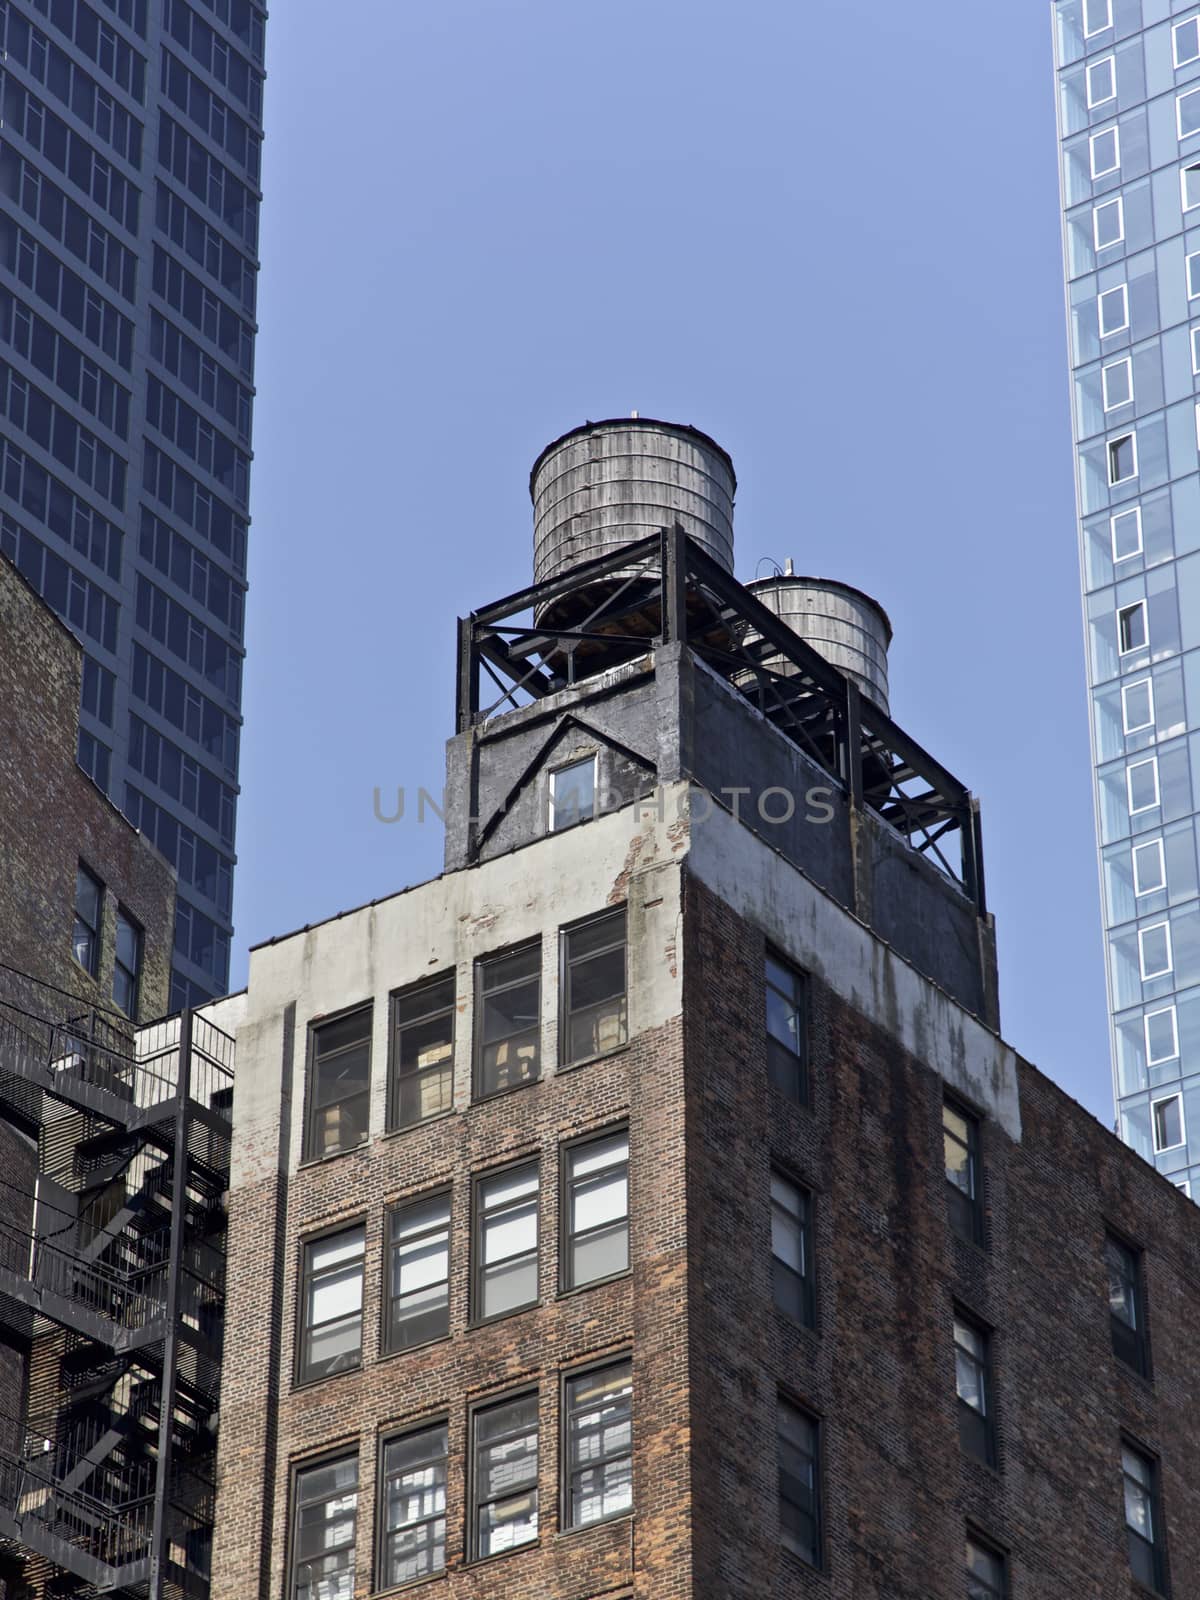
1128	78
129	199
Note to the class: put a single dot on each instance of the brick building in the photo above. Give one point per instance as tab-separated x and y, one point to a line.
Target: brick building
113	1158
648	1208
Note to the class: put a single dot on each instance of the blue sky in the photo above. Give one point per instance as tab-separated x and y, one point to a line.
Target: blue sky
827	235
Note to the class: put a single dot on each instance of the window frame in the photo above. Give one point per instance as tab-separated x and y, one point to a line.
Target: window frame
387	1342
567	1377
474	1411
966	1211
566	964
125	916
1165	1099
1187	94
1143	848
1156	1544
1136	513
806	1279
1090	32
1112	447
987	1547
1123	633
1184	204
309	1152
566	1237
552	823
784	1401
302	1376
396	1030
1193	292
1125	363
382	1580
91	967
1110	203
1136	766
476	1314
1121	289
328	1458
478	1042
1128	727
801	1001
1109	61
1147	1018
1176	29
1130	1341
1164	927
1093	143
976	1427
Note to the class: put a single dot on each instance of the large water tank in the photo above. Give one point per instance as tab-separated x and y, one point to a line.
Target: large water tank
611	483
841	623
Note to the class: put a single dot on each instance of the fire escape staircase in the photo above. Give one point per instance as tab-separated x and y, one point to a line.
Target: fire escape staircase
111	1308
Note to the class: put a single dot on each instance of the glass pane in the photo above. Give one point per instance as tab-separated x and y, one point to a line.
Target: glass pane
336	1294
426	1044
418	1265
425	1002
501	1191
597	1030
600	1255
345	1032
124	990
324	1254
505	1288
599	1153
335	1348
87	898
783	1021
505	1524
600	1200
787	1241
83	947
504	970
573	793
127	943
1168	1123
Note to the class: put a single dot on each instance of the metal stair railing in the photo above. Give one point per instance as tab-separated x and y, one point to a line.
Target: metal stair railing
50	1269
113	1536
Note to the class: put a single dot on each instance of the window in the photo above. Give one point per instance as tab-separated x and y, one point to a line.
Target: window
1192	263
1101	81
1149	867
1126	530
331	1320
1117	383
418	1272
509	1011
791	1250
787	1029
960	1141
1189	186
413	1513
1184	1185
595	1006
596	1209
1141	780
1139	1474
987	1577
598	1445
127	965
1162	1035
1105	151
1185	41
1187	113
1108	223
1167	1117
89	903
339	1080
799	1442
1131	628
1122	458
973	1379
506	1242
504	1476
1137	705
1113	310
422	1052
573	794
1125	1303
1154	950
1097	15
324	1514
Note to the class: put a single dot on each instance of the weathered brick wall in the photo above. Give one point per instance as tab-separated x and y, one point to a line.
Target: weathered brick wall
52	815
879	1367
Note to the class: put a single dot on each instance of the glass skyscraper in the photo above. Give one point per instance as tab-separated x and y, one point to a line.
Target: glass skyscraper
1128	78
129	199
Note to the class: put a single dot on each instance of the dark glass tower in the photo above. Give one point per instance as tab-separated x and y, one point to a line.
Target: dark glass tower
129	197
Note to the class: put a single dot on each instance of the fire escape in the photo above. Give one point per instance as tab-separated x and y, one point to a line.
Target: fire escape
112	1275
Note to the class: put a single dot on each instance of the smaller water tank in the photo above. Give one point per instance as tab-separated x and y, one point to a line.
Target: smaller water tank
841	623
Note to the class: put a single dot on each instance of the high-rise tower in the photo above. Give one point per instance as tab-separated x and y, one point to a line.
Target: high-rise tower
1128	82
129	196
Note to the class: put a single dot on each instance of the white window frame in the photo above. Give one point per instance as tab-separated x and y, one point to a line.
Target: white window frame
1134	648
1198	424
1126	688
1089	10
1176	30
1094	140
1192	293
1185	1184
1126	363
1148	847
1163	1011
1188	94
1136	766
1184	204
1107	205
1161	1149
1123	290
1163	927
1110	62
1136	513
1110	446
